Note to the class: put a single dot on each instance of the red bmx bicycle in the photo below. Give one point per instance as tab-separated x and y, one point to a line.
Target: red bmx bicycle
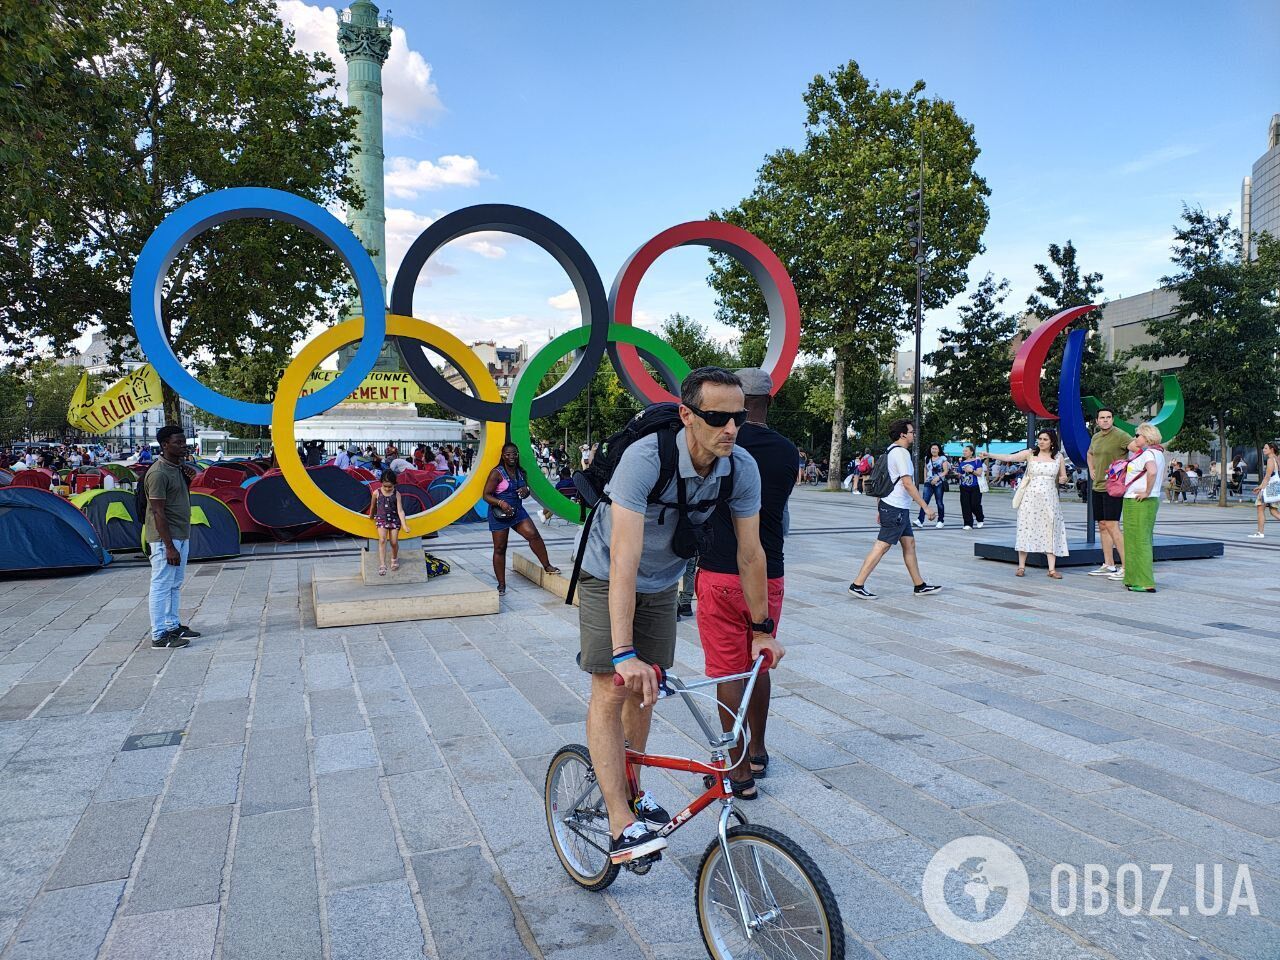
757	893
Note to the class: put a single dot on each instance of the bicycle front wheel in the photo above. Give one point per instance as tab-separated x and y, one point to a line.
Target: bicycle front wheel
790	908
577	819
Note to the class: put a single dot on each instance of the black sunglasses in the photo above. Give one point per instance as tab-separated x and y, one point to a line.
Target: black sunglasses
720	418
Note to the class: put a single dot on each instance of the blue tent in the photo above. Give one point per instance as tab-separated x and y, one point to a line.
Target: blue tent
42	532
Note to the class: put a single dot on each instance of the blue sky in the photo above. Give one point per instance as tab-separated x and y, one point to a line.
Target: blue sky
1096	122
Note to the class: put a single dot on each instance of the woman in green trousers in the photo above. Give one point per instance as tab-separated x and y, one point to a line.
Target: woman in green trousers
1142	479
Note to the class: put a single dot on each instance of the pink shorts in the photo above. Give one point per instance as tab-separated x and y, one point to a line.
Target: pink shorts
724	621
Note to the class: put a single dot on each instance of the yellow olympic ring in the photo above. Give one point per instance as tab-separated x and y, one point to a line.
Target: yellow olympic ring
285	404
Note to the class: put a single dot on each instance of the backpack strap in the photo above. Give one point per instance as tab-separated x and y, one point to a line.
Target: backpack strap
668	464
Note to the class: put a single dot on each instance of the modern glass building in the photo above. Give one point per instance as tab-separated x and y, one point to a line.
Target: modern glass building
1260	192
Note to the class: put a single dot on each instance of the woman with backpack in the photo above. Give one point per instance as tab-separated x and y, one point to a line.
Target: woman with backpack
861	469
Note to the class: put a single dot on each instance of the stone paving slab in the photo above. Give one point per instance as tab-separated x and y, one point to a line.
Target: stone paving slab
375	791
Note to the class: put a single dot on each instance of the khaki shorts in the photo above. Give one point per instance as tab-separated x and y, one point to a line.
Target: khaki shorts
653	628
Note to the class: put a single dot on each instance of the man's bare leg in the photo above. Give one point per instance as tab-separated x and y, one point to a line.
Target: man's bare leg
1109	532
611	711
878	550
909	558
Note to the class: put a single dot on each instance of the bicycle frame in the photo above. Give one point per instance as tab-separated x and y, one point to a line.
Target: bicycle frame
717	769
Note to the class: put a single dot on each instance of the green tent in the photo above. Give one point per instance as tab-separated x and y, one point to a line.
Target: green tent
112	515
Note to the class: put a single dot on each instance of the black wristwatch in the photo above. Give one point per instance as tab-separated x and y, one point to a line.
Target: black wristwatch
767	627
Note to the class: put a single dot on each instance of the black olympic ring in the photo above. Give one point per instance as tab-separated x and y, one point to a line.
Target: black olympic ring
551	237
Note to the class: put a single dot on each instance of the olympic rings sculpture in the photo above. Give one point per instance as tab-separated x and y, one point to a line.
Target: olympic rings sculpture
606	328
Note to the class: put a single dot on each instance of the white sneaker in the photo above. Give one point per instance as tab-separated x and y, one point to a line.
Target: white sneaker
939	524
967	527
1256	536
1102	571
857	493
918	523
978	524
1118	575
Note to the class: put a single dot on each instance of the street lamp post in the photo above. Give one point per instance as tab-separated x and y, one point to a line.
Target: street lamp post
916	207
31	403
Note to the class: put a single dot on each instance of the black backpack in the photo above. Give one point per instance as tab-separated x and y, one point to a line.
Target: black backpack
662	419
878	483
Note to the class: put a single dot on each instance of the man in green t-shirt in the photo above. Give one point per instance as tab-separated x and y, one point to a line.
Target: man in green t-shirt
1109	443
168	533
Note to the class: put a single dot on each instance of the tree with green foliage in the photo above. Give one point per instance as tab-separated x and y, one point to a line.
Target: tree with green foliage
133	109
1063	284
51	384
1225	329
970	382
835	213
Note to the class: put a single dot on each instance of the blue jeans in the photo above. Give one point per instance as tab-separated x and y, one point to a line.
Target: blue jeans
933	492
166	585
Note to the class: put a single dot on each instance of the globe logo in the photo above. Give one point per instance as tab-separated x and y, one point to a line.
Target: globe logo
975	889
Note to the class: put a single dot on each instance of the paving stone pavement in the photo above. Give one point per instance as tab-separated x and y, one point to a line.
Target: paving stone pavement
375	792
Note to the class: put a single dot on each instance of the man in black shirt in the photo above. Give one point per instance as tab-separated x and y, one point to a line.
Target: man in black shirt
724	621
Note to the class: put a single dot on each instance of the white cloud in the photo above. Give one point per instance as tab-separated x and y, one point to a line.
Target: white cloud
565	301
1157	158
403	227
406	177
410	95
508	330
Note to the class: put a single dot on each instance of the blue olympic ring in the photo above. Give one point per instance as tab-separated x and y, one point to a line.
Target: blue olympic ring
238	203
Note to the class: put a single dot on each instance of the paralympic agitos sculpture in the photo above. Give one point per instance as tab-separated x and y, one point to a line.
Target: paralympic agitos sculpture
1028	367
606	326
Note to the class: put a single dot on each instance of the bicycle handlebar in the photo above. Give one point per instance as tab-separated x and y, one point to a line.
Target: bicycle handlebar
766	661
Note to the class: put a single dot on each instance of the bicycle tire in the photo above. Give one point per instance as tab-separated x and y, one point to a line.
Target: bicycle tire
574	860
716	929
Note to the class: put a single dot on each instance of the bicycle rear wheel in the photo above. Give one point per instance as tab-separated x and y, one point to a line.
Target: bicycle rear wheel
788	899
577	819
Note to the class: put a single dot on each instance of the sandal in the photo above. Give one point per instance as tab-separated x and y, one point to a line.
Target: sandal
740	789
502	589
1054	575
550	569
395	565
1022	572
382	570
761	761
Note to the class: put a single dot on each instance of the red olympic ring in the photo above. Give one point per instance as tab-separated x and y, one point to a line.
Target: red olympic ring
763	265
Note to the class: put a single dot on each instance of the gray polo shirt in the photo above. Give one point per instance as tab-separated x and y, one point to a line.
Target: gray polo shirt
636	473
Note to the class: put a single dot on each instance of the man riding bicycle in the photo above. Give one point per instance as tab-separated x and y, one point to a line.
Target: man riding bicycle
630	569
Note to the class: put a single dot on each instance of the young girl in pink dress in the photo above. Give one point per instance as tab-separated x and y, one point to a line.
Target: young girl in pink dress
387	510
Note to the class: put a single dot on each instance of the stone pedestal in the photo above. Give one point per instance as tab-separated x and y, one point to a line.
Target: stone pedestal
413	564
343	599
527	565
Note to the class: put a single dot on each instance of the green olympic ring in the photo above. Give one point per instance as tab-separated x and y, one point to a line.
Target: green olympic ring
538	366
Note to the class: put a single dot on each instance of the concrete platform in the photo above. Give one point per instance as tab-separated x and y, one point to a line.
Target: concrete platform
525	564
413	563
1084	554
342	599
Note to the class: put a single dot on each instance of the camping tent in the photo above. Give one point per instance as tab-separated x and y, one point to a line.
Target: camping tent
271	502
214	533
226	483
42	532
114	517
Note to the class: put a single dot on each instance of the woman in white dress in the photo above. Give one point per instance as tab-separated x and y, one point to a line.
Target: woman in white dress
1041	528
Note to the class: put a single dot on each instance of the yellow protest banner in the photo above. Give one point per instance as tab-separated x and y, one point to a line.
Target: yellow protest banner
139	390
377	387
